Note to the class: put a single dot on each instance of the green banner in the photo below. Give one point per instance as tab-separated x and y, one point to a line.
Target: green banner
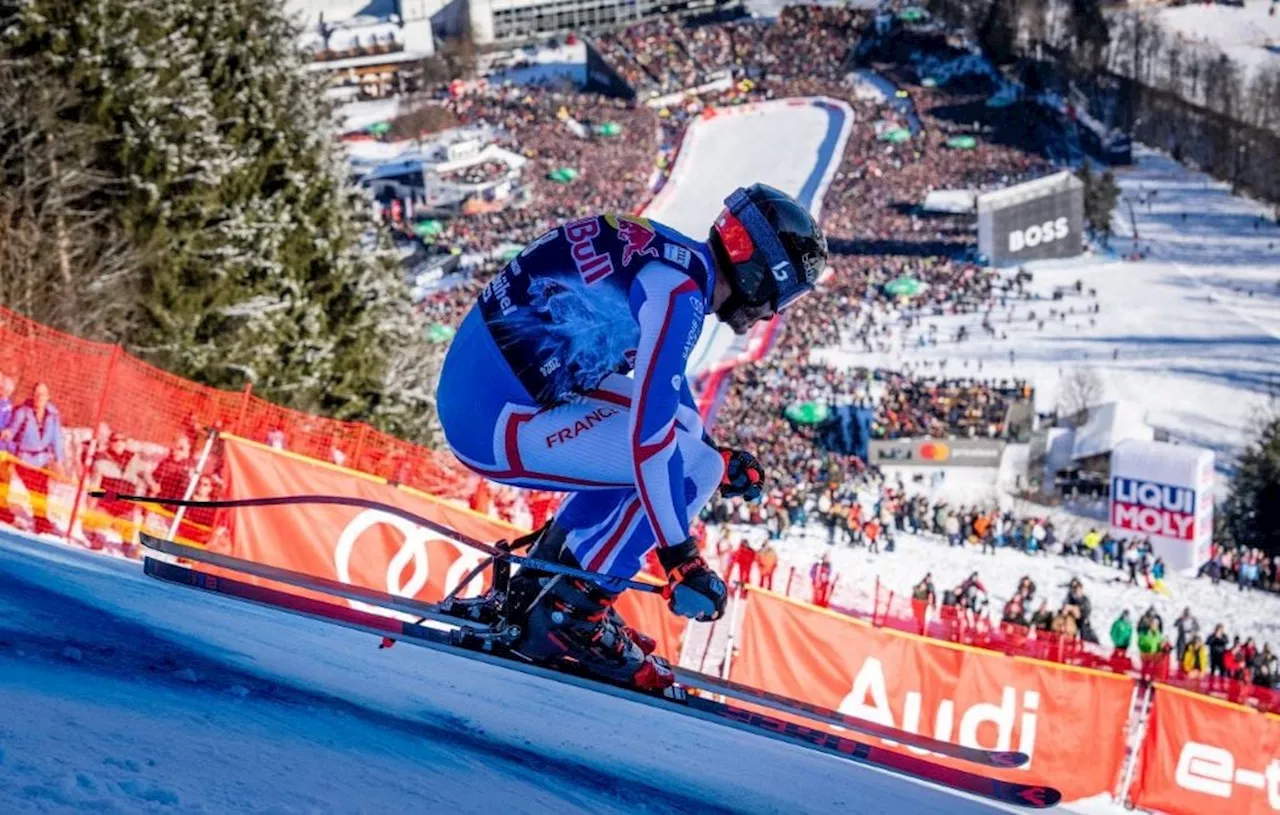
807	412
562	175
903	287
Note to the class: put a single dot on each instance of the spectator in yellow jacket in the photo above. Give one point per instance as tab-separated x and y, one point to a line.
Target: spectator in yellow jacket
1195	658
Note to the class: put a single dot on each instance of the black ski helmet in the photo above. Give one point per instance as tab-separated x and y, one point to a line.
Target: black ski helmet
769	247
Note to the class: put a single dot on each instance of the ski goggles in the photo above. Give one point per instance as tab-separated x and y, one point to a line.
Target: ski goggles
763	272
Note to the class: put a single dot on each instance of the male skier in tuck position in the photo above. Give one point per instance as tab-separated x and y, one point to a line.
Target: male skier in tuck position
534	393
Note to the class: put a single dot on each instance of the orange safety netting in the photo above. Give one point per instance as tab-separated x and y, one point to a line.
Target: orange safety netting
128	426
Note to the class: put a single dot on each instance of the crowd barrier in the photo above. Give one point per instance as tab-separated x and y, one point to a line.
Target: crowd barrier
1197	755
96	389
1203	755
1071	722
900	612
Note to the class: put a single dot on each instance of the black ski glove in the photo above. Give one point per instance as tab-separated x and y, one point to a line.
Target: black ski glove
743	475
693	590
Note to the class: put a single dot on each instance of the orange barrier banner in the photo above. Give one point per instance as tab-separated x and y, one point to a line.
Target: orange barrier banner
1202	756
365	547
1070	721
374	549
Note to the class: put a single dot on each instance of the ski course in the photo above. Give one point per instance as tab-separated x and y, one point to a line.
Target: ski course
122	694
793	144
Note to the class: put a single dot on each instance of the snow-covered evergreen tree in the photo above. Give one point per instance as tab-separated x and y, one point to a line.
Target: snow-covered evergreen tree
265	267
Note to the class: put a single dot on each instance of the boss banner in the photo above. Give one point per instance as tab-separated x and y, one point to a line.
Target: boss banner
1033	221
371	548
1070	721
1203	756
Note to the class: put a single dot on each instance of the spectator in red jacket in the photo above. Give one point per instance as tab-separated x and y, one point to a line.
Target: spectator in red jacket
744	557
824	581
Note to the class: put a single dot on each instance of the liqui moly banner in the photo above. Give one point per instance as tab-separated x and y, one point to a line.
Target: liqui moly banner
372	548
1164	492
1203	756
1070	721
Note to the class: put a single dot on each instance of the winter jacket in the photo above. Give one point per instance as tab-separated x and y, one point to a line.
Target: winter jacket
1149	642
767	560
1122	633
1195	659
1217	644
37	443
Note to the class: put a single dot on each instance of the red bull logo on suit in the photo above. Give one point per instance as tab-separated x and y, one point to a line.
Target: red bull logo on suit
635	235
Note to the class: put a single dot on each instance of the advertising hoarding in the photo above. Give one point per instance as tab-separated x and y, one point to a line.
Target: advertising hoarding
1164	492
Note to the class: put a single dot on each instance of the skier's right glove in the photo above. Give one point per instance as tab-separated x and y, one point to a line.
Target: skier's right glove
693	590
743	475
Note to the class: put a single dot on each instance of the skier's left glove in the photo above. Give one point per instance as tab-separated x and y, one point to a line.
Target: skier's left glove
693	590
743	475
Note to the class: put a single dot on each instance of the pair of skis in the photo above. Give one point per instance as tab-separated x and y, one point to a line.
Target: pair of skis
690	695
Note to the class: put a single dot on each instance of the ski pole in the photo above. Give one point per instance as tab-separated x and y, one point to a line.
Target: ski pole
609	583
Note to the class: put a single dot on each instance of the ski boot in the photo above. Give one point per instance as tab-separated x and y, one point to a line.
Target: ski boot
572	622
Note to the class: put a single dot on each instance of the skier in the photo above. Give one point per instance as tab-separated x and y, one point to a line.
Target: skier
534	393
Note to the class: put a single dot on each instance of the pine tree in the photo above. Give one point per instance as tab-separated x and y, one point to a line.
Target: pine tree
265	267
1089	32
1101	193
1251	514
1106	193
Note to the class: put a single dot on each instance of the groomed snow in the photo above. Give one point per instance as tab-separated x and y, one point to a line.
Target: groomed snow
123	694
1197	329
1248	34
129	695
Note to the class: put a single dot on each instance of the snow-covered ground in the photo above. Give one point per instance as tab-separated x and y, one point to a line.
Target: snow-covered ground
1255	614
1191	333
1248	34
121	694
537	65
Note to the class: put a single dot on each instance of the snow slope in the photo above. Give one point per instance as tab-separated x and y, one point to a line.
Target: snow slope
122	694
1194	328
794	145
1248	34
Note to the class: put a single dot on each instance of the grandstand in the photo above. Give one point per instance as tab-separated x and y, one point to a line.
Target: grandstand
368	49
503	21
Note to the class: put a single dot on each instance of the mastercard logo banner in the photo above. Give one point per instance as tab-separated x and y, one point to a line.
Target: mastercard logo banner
935	453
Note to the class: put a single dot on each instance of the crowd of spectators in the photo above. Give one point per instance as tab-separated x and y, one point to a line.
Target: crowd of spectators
1248	568
482	173
40	455
1210	660
918	406
667	55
